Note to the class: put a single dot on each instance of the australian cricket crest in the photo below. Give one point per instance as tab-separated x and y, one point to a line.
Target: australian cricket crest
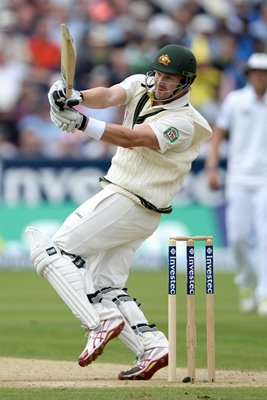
164	59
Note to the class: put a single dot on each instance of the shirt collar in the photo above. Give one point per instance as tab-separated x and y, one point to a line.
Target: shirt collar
253	95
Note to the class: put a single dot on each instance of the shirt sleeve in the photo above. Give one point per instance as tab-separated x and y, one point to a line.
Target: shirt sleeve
132	84
173	133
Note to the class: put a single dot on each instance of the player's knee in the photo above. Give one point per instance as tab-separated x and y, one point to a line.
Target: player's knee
43	250
42	256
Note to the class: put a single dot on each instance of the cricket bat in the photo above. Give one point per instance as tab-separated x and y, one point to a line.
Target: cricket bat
68	59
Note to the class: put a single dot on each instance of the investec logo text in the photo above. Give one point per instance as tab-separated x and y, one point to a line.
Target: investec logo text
54	185
172	271
191	275
209	275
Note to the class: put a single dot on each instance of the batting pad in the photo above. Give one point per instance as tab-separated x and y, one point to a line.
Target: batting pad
137	334
62	275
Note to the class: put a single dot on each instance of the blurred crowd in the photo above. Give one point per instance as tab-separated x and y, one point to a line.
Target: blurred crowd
114	39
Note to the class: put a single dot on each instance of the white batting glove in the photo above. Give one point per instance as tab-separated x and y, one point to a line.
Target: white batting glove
57	97
69	120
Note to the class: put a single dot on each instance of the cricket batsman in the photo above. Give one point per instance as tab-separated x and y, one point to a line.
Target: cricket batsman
89	258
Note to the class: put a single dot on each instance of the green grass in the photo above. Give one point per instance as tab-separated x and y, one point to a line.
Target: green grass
36	324
134	394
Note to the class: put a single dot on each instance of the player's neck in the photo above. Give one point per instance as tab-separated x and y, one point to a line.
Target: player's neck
260	93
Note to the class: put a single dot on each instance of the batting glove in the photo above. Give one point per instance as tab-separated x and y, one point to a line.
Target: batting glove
57	97
69	120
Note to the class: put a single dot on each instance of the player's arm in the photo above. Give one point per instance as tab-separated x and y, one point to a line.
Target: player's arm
141	136
70	120
100	97
213	156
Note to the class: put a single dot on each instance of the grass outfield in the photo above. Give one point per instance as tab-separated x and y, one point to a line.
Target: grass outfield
134	394
36	324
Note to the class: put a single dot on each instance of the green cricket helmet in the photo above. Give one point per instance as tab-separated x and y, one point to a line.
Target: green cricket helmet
173	59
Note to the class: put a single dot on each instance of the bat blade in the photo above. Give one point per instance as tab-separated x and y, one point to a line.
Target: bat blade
68	59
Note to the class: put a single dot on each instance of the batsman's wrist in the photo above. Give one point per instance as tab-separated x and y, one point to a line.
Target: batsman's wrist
83	123
95	128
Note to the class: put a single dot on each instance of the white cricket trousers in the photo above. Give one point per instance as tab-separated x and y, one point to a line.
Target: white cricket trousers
246	221
106	231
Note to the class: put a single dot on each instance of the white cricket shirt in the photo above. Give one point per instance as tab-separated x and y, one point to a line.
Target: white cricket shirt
157	174
245	117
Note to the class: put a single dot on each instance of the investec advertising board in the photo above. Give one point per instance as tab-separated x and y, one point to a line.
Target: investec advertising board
43	192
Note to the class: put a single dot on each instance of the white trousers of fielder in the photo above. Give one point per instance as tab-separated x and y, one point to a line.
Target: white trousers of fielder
246	221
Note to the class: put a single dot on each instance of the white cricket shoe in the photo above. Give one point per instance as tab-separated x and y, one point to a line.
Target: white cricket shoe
146	365
247	301
262	308
98	338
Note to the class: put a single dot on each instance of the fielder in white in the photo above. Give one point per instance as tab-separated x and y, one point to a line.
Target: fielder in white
244	117
89	258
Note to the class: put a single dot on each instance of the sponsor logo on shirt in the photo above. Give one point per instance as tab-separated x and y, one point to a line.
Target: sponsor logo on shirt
171	134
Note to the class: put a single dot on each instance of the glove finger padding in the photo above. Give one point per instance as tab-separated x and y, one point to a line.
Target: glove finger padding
75	99
59	100
68	120
54	120
57	97
64	119
62	102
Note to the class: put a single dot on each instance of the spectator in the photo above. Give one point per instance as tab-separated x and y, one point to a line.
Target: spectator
13	43
7	149
122	35
99	76
12	76
45	53
204	92
38	133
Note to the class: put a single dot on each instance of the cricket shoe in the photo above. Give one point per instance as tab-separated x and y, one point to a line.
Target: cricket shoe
98	339
145	367
247	301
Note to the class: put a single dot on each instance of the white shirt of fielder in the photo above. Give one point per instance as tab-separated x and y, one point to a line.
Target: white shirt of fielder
244	116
